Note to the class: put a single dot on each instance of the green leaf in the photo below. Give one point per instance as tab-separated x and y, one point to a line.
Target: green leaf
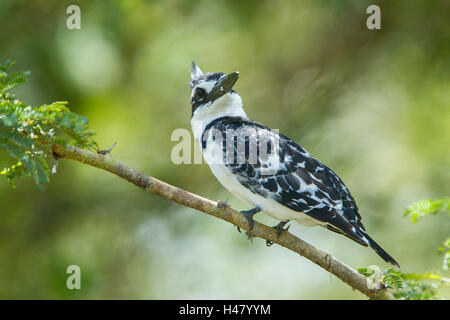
26	132
422	208
393	278
366	272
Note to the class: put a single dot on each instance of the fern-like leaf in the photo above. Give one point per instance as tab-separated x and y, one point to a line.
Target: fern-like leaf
26	132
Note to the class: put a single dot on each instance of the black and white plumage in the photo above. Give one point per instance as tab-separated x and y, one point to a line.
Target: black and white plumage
286	182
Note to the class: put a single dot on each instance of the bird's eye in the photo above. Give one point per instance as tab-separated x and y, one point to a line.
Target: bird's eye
199	93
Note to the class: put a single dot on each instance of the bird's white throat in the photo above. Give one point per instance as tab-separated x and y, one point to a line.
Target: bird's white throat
229	105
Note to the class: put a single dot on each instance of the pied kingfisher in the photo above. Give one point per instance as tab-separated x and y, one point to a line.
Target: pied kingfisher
298	187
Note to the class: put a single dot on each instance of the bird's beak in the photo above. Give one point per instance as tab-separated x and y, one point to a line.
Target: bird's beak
224	85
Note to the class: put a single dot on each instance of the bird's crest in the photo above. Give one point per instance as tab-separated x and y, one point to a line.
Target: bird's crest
196	74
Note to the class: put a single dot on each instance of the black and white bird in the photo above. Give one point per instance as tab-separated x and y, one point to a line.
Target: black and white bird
285	181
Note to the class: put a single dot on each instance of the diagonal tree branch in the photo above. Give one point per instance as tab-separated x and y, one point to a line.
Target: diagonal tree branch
185	198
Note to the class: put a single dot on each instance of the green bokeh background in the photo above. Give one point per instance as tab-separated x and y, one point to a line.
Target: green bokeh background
374	105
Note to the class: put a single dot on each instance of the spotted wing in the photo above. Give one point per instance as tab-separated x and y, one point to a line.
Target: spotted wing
300	182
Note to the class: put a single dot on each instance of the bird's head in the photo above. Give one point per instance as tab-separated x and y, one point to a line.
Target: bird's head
212	94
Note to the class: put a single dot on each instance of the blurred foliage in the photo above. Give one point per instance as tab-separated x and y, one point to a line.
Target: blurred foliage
371	104
445	250
26	132
414	286
422	208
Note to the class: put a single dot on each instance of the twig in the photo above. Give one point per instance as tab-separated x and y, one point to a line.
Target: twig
107	151
225	212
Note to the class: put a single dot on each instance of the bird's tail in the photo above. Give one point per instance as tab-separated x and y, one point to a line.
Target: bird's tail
380	251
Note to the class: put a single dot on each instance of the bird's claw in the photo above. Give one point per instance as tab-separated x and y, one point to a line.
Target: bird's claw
279	228
250	222
249	235
249	215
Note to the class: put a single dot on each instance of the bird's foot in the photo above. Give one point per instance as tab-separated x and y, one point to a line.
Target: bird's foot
250	235
249	215
279	228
